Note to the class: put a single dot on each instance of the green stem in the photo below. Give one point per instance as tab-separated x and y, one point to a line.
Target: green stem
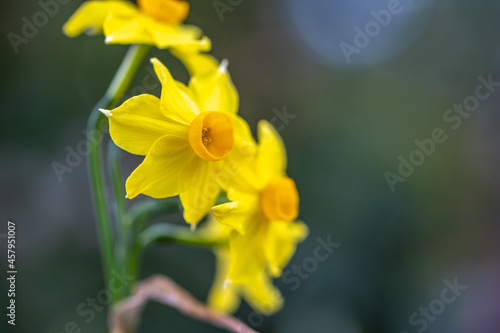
168	233
164	232
122	217
148	210
96	125
115	170
144	212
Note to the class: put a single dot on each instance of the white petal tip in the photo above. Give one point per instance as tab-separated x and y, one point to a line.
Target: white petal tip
193	227
226	283
105	112
223	66
108	39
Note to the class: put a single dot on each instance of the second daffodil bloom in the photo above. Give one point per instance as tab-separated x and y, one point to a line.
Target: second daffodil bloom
186	136
151	22
259	292
262	212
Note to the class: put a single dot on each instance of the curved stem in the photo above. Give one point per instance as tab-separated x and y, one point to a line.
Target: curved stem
147	210
143	212
95	126
164	232
121	215
168	233
115	171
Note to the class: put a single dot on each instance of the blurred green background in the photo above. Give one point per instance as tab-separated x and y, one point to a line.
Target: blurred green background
349	123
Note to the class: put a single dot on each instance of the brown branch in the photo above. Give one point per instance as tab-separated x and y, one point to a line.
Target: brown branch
126	315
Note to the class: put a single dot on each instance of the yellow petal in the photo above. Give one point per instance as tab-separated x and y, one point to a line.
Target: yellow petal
238	168
158	174
140	28
185	36
195	62
258	291
133	29
271	161
213	229
243	137
214	90
90	16
238	214
223	297
197	190
247	251
281	242
262	295
176	103
138	123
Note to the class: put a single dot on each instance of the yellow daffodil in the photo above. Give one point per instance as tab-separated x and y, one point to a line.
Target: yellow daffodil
259	292
196	63
151	22
262	212
186	137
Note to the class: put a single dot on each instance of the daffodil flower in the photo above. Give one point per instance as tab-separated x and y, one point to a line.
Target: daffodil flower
262	212
151	22
196	63
188	137
259	292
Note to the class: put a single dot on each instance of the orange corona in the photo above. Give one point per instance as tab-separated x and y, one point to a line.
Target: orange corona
211	135
279	200
168	11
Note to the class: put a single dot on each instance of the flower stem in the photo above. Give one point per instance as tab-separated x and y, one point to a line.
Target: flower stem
96	125
143	212
115	170
122	217
168	233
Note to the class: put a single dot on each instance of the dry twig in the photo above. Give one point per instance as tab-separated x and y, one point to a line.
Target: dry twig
126	315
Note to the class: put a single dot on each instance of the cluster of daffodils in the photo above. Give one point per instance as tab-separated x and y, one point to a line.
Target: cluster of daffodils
198	148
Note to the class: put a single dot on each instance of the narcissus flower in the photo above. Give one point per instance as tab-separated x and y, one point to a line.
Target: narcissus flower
188	137
151	22
196	63
259	292
262	212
